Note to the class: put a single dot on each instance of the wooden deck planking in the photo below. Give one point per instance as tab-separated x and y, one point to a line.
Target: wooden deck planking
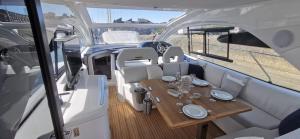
126	123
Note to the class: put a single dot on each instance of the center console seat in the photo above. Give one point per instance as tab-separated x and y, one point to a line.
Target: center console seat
129	73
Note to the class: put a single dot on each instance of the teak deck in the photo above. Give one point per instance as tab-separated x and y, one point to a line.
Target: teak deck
126	123
169	111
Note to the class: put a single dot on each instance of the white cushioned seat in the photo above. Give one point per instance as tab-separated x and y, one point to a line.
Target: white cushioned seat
214	74
256	118
274	100
170	69
154	72
252	132
184	68
131	96
134	74
173	51
129	74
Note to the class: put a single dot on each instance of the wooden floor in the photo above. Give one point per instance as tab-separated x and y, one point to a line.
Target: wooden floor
126	123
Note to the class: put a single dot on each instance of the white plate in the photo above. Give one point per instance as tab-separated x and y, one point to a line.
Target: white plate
168	78
199	82
221	95
194	111
173	92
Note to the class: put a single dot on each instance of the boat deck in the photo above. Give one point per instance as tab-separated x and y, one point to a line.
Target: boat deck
126	123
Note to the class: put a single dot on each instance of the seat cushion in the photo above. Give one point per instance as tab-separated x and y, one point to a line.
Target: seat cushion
184	68
170	69
278	102
257	118
197	70
214	74
154	72
232	85
134	74
252	132
290	123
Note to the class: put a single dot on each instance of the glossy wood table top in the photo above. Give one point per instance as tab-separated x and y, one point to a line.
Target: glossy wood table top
170	111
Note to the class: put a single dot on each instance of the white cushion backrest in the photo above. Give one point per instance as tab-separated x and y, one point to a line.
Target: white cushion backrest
154	72
184	68
173	51
134	74
171	69
128	54
214	74
272	99
232	84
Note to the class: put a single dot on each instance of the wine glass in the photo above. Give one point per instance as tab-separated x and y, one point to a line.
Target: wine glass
193	76
180	95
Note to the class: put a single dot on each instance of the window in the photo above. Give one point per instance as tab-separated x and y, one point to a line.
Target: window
24	110
146	23
250	56
104	15
55	17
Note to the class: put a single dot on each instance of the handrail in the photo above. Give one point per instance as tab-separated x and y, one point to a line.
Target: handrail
261	67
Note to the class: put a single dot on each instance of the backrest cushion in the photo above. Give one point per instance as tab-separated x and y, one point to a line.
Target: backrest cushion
184	68
232	85
173	51
290	123
197	70
170	69
272	99
134	73
214	74
154	72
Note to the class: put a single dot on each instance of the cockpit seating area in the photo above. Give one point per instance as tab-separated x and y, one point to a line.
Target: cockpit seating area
270	103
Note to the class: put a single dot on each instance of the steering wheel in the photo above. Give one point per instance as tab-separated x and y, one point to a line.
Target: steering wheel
159	46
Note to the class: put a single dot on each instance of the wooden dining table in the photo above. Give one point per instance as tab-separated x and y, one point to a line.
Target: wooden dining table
175	119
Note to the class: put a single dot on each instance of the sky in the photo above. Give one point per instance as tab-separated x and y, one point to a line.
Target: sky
99	15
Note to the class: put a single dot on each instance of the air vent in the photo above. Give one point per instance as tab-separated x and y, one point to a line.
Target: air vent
283	38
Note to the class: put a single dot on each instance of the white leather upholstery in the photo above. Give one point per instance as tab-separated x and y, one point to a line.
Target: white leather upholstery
170	69
128	54
232	84
257	118
130	73
184	68
274	100
131	96
214	74
154	72
252	132
134	73
173	51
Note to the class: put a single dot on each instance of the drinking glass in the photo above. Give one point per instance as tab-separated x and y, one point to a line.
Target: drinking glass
193	76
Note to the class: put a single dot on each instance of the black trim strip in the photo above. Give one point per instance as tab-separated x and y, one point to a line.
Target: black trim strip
36	18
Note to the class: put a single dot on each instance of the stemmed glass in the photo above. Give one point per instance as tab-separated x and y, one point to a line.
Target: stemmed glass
180	95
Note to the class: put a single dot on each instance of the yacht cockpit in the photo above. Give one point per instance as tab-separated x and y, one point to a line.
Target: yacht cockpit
149	69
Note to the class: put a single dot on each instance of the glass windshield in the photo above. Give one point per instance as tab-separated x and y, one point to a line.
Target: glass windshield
137	25
21	83
104	15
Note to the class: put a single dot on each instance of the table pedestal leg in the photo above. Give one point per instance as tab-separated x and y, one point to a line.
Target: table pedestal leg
202	131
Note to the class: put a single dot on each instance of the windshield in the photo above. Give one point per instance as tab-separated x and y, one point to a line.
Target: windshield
21	83
137	25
